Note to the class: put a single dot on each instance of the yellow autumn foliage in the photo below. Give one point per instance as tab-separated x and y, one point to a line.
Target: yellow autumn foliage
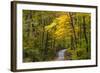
63	19
62	26
49	27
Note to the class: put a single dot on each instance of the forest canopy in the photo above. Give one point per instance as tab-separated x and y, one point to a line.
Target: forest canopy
45	33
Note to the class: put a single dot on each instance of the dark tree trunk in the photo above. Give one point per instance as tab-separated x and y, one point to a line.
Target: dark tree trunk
73	28
84	31
46	47
72	43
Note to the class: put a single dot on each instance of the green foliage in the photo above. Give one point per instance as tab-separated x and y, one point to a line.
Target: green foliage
31	55
47	32
79	54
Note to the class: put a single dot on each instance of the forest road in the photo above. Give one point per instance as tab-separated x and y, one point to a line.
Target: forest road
61	54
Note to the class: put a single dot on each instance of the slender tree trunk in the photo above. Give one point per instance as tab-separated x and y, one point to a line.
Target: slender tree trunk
46	46
42	37
80	35
29	27
73	28
80	31
72	43
84	31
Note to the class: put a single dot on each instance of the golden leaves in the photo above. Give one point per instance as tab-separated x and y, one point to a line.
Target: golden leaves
49	27
60	27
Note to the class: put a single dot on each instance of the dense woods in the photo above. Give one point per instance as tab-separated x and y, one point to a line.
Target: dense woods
45	33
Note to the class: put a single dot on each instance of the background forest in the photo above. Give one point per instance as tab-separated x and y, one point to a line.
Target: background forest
49	34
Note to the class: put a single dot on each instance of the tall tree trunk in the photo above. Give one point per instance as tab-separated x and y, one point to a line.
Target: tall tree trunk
80	36
46	46
73	28
42	37
80	31
29	27
84	31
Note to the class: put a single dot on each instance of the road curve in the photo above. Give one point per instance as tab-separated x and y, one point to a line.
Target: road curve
61	54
